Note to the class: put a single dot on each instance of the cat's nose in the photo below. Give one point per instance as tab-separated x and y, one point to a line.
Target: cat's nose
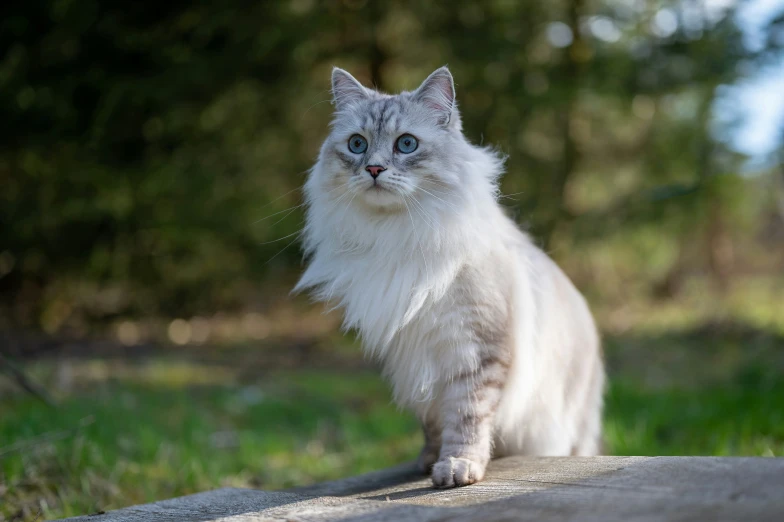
375	170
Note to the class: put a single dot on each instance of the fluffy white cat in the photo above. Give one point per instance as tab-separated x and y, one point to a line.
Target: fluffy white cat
477	330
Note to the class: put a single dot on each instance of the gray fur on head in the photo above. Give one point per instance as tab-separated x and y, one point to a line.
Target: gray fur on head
437	93
429	114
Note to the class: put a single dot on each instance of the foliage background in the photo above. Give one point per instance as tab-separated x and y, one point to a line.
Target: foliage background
150	159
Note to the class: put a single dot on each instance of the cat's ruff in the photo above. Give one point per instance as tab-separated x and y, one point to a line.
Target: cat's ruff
478	331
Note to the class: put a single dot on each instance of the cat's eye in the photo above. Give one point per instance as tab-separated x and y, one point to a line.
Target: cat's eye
407	144
357	144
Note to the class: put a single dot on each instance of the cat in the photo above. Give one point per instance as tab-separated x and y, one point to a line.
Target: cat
478	331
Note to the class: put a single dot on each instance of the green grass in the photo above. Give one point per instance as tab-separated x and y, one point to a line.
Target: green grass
127	432
139	443
732	420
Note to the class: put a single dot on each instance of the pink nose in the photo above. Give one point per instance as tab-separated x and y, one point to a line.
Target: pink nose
375	170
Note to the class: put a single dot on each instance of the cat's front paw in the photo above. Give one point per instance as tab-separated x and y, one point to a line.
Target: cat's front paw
451	472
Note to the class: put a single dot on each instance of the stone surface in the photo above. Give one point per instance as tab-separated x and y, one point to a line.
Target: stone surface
516	488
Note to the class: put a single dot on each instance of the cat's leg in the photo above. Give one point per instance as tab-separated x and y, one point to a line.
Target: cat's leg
429	454
468	410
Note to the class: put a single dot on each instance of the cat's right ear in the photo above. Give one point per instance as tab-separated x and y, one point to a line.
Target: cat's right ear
346	90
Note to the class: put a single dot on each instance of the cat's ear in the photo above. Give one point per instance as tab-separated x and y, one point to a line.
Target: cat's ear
346	89
437	93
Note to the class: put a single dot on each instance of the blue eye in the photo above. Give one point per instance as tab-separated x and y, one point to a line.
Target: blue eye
357	144
407	144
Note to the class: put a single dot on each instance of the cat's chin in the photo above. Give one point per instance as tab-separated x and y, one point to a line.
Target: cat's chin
382	199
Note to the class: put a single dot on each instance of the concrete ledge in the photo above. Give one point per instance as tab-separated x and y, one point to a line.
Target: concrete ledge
516	488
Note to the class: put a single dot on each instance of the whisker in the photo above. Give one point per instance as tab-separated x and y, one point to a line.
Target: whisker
279	252
434	181
419	203
422	250
336	202
290	209
450	193
348	205
422	212
398	183
439	199
284	237
501	196
317	103
282	196
349	190
445	188
440	193
437	191
416	209
285	216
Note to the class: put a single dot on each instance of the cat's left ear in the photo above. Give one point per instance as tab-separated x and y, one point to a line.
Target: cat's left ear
437	93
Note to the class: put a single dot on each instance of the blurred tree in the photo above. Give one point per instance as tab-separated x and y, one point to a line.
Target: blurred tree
150	158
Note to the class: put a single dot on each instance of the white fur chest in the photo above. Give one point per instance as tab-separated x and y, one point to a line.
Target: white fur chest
396	291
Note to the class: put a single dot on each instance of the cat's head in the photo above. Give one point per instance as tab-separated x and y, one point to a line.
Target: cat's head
385	150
